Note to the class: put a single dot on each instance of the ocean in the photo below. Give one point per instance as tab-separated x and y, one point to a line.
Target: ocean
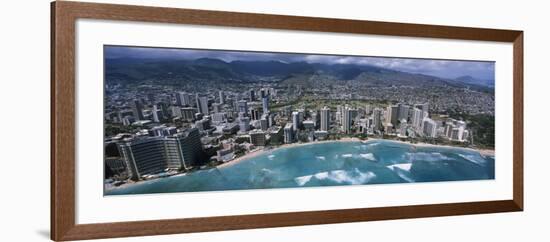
329	164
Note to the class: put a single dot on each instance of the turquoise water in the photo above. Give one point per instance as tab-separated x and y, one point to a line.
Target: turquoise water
330	164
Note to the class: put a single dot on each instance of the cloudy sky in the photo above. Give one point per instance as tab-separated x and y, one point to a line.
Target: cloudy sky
442	68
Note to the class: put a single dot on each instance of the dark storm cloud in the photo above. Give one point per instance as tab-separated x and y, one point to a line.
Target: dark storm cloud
441	68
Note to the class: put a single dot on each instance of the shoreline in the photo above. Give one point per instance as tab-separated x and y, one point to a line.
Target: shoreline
264	150
257	152
483	152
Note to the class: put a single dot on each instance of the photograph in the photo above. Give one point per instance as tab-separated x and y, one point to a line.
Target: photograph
190	120
232	121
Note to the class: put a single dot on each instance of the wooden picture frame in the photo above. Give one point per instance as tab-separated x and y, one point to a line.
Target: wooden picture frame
63	18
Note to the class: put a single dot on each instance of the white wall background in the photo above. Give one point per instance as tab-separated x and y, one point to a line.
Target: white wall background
24	78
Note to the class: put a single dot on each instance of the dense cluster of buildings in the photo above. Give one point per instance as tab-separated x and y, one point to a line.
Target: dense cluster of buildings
172	132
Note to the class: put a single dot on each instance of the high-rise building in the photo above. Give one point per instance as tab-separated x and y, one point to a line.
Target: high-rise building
164	108
455	130
242	107
461	124
244	124
425	107
218	117
403	112
137	109
288	133
252	96
377	119
315	117
265	104
188	113
455	134
151	155
257	137
183	99
222	97
417	117
295	120
392	115
347	120
354	114
155	113
276	134
461	130
301	115
202	104
325	119
230	114
449	126
264	122
429	127
254	114
190	147
363	125
339	113
271	119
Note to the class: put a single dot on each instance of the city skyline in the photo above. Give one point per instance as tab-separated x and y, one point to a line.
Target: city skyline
203	124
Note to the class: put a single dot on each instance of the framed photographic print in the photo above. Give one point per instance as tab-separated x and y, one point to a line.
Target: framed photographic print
173	120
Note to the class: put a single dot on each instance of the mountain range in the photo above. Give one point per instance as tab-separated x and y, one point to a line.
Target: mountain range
472	80
169	71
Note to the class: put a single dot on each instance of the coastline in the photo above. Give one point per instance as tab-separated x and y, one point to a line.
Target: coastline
263	150
483	152
257	152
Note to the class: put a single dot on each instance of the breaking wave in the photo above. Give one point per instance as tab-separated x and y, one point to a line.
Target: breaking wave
354	177
368	156
402	166
302	180
402	170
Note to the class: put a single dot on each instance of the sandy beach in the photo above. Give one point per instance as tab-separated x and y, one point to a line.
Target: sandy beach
246	156
484	152
263	151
